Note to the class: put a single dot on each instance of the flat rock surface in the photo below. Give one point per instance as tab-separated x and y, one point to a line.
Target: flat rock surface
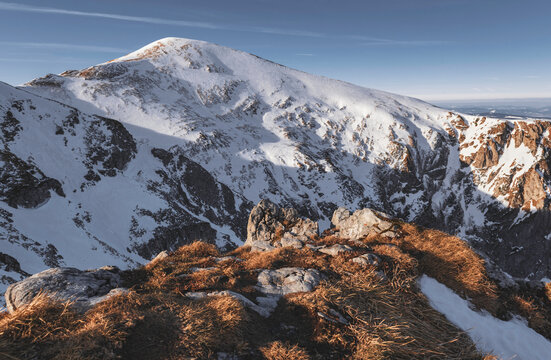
367	259
287	280
85	288
336	249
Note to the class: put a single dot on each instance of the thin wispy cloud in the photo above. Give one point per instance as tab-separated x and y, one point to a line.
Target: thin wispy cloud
48	61
142	19
304	54
92	48
389	42
367	41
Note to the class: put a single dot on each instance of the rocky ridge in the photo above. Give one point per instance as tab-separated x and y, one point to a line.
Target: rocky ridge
328	298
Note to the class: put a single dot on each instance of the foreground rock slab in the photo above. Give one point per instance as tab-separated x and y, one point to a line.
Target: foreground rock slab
287	280
84	288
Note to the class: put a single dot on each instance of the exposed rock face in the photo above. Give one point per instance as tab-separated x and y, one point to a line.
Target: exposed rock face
178	223
287	281
85	288
361	223
523	147
270	226
22	184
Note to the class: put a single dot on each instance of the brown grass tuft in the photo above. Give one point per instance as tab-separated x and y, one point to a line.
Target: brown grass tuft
213	324
449	260
280	351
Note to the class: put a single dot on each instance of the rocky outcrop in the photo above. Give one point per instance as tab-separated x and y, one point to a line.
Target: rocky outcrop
83	288
361	223
22	184
287	281
270	227
273	284
523	148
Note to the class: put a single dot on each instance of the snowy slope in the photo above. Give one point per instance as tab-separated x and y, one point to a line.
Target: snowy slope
512	339
267	131
80	190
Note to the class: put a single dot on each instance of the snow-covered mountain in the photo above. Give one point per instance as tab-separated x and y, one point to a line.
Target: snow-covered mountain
206	131
80	189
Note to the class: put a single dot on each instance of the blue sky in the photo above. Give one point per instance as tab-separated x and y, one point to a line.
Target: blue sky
432	49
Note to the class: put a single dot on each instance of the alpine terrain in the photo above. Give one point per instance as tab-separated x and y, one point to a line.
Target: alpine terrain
178	141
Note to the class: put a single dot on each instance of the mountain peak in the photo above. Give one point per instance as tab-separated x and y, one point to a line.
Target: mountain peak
164	46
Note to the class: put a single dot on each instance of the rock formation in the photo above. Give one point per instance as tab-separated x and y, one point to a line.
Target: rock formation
82	288
361	223
270	226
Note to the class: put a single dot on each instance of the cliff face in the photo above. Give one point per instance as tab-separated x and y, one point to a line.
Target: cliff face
511	161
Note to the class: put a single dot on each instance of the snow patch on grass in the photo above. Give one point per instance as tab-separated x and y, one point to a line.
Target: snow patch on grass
507	339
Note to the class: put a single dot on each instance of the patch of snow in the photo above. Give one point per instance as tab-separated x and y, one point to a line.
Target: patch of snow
511	339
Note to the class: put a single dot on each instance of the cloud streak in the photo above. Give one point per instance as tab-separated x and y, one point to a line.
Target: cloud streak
91	48
366	40
389	42
142	19
48	61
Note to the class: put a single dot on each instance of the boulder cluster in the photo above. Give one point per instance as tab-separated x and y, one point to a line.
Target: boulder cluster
269	227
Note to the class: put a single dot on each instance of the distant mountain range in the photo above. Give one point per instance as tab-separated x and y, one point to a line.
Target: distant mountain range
176	142
539	108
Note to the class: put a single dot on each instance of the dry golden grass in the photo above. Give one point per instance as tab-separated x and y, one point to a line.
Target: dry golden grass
386	315
449	260
452	262
215	324
383	323
280	351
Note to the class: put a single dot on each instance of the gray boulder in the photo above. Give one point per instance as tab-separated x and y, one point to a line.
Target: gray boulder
160	256
269	224
289	240
368	259
287	280
361	223
265	307
85	288
273	284
335	250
